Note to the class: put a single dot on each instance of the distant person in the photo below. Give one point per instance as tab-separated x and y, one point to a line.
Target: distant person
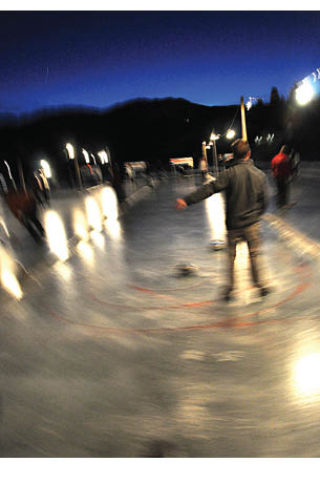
246	200
282	172
45	187
24	207
203	165
129	173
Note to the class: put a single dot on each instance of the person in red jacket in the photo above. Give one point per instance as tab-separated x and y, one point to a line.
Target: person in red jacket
23	206
282	172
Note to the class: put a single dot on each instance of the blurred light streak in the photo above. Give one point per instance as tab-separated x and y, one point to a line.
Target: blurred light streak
93	214
10	283
9	280
114	229
70	150
86	156
64	271
85	251
80	225
214	206
109	203
46	168
103	157
307	375
56	235
98	239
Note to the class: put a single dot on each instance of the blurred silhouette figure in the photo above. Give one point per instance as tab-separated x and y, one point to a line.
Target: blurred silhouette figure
40	187
4	233
282	172
295	163
129	173
24	207
246	200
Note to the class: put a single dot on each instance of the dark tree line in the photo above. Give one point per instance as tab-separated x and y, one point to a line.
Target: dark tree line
155	131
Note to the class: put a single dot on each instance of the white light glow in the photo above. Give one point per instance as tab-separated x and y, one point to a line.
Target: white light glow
56	235
113	228
11	284
304	93
93	214
214	136
85	251
46	168
216	217
98	239
70	150
307	375
80	225
103	157
230	134
63	270
86	156
109	203
8	277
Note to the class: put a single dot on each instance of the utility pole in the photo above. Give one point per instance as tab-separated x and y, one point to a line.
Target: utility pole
243	120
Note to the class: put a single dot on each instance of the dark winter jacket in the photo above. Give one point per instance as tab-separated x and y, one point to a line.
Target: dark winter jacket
246	193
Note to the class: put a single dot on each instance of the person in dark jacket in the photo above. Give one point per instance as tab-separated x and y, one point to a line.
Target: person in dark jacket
246	200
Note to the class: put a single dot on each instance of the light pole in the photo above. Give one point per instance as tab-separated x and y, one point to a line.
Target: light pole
213	138
243	120
204	151
72	156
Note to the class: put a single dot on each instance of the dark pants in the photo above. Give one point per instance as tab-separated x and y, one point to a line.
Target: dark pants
250	234
282	191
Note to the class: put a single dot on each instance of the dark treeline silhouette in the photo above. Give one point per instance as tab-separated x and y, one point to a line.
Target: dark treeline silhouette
153	131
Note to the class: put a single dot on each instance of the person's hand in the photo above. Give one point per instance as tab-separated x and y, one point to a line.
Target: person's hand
181	204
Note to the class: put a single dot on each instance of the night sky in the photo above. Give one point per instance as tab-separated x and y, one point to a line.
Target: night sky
101	58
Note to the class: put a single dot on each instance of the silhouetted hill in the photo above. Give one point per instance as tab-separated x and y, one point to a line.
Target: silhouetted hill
141	129
153	130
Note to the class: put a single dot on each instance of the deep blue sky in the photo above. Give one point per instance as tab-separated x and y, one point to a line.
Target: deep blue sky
102	58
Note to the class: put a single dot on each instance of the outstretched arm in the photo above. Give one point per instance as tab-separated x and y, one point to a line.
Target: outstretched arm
220	184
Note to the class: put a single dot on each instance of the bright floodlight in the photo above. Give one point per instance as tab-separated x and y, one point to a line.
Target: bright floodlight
70	150
304	93
46	168
230	134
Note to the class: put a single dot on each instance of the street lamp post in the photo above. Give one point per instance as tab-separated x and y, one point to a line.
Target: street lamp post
243	120
204	150
213	139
